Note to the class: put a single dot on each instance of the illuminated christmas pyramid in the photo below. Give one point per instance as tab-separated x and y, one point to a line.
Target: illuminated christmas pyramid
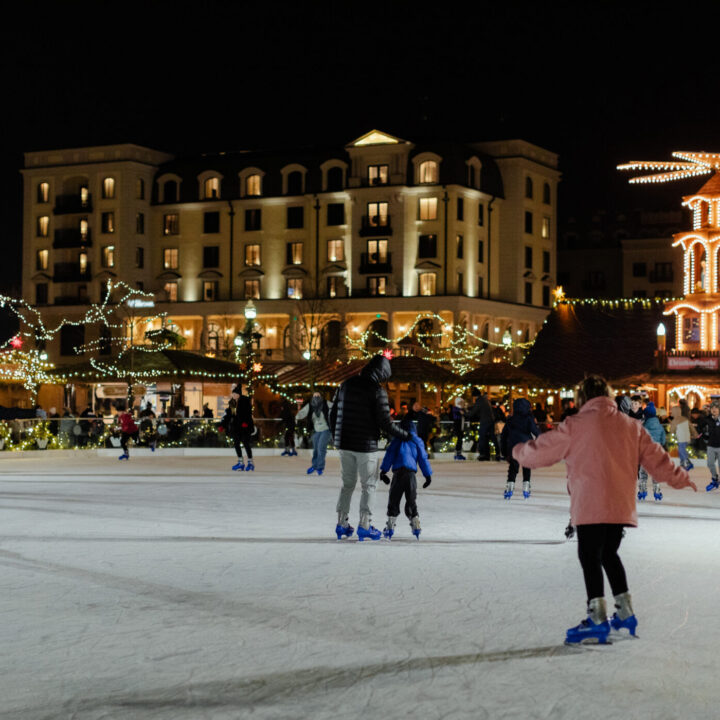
697	312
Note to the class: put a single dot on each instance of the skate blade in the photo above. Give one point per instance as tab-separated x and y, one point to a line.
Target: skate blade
589	642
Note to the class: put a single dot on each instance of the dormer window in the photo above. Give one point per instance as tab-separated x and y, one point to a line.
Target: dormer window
211	188
253	185
428	172
377	174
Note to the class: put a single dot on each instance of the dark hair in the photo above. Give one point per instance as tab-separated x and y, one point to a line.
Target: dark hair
591	387
636	398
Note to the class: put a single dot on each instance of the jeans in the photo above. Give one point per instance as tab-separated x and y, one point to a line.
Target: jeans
713	457
355	464
682	453
320	443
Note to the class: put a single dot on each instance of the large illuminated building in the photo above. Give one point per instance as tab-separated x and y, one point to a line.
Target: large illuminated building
375	233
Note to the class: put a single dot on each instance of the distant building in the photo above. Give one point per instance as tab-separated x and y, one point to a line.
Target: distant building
379	231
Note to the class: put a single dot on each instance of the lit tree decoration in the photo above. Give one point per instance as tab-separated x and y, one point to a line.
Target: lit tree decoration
695	163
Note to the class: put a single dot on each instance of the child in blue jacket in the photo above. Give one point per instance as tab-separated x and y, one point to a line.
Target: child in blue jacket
404	456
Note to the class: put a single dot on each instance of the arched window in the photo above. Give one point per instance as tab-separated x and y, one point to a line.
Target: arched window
428	172
211	188
108	188
213	337
332	335
170	191
528	188
377	330
334	179
295	183
253	185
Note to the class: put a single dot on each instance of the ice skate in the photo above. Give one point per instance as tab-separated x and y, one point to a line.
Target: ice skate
320	472
292	452
285	452
415	526
714	484
343	528
459	456
624	617
594	629
250	466
366	530
509	489
389	530
642	489
526	489
657	493
689	465
239	465
124	456
310	470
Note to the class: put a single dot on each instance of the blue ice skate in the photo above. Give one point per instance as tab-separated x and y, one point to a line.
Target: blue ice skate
292	452
642	494
630	623
415	526
239	465
285	452
714	484
124	456
689	465
526	489
250	466
459	456
388	533
588	631
657	494
509	489
371	533
344	531
310	470
320	472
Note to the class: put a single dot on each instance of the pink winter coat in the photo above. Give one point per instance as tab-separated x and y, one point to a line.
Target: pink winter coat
602	449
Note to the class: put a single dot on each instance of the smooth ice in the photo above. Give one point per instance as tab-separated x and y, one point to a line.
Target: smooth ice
170	587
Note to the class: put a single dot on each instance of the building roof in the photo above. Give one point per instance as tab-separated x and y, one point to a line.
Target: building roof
615	339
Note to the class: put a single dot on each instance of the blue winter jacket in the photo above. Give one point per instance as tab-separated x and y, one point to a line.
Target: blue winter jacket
407	454
520	427
653	425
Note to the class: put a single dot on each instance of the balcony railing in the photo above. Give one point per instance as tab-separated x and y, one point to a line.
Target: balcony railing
371	263
373	226
71	272
71	238
67	204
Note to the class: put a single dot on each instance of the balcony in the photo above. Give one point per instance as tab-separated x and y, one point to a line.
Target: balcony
660	276
71	272
375	226
71	238
68	204
371	264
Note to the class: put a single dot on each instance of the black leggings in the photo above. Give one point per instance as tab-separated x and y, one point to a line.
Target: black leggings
597	550
514	468
242	439
403	483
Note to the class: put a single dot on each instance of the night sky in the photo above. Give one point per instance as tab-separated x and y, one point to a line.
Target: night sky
597	83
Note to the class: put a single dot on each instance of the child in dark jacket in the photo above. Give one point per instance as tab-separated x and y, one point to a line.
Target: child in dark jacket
404	456
519	428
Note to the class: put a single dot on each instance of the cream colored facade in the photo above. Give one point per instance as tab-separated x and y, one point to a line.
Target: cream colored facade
388	231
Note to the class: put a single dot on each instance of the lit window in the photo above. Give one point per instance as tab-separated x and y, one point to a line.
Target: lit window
252	185
171	289
252	289
377	285
210	290
171	224
41	262
107	222
108	188
545	230
336	250
170	258
43	226
295	288
84	229
334	283
377	174
84	197
428	208
378	214
108	256
43	192
294	252
252	255
428	172
211	188
377	251
427	283
83	261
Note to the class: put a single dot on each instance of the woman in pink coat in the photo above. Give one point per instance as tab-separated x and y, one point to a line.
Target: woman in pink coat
602	449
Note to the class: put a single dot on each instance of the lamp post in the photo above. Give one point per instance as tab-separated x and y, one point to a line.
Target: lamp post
244	343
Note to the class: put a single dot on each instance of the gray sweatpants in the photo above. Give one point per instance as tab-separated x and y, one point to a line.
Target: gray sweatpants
713	456
354	465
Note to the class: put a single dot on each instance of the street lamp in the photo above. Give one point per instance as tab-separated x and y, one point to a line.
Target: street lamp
250	310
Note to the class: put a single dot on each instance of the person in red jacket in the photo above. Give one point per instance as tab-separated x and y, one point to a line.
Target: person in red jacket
128	429
602	448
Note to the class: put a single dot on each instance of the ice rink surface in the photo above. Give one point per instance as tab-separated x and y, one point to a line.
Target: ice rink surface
172	588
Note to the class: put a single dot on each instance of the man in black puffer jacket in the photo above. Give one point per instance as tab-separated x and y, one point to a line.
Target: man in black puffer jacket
360	411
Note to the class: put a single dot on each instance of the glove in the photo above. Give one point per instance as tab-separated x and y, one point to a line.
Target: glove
569	531
384	477
428	480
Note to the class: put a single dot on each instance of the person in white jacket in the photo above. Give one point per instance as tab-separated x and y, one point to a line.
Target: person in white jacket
318	410
680	426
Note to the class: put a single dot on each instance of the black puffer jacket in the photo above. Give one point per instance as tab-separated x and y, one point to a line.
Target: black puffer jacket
360	409
238	419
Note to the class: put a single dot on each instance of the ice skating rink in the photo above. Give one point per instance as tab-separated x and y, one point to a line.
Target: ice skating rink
170	587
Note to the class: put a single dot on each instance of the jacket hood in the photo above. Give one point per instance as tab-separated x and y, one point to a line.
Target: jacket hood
378	369
650	410
603	404
521	406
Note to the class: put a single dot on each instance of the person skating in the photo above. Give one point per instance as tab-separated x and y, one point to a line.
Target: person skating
128	429
482	413
680	426
602	449
287	415
239	426
457	415
652	424
317	414
360	411
519	427
710	429
404	456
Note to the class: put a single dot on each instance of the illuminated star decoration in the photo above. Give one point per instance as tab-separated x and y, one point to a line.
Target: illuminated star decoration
388	353
694	164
